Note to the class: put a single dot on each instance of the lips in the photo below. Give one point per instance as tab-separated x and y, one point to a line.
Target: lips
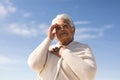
63	33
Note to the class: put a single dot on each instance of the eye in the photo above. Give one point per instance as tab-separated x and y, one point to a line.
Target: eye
65	25
58	28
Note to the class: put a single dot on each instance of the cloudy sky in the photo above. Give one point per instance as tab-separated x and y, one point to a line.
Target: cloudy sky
24	24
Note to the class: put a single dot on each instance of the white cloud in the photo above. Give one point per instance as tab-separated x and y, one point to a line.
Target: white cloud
7	2
43	28
81	22
4	60
27	14
90	33
25	29
28	29
6	8
3	12
86	36
11	9
9	60
33	30
21	29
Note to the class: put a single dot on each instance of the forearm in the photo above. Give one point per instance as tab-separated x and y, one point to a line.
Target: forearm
80	67
38	57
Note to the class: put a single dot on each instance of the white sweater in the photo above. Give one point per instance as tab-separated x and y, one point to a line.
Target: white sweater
76	63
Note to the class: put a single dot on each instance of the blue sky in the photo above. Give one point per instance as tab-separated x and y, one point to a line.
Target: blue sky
24	24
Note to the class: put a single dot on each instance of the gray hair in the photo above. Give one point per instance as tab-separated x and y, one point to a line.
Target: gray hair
63	16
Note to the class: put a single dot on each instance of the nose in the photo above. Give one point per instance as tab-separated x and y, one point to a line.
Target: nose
62	28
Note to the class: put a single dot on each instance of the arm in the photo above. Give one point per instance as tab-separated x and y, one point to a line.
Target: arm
81	62
38	57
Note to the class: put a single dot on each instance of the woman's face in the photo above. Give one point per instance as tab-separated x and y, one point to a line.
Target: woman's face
64	32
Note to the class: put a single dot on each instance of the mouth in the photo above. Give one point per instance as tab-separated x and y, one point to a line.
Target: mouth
64	34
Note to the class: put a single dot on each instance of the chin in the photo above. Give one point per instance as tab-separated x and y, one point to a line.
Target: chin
65	39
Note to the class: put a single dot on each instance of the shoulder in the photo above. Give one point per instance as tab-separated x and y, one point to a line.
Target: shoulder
76	44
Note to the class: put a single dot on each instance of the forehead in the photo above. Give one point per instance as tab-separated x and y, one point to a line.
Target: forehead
62	21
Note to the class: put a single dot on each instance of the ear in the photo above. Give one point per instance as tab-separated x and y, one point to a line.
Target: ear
73	29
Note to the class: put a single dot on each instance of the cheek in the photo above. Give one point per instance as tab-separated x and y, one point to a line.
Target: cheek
57	34
70	32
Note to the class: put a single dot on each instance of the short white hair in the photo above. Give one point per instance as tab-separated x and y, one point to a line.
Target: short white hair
63	16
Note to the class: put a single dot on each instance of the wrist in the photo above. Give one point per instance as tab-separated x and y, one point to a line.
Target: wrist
62	48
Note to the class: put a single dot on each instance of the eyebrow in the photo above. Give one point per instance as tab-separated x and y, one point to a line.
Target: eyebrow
63	24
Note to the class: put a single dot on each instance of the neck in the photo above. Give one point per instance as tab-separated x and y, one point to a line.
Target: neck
65	43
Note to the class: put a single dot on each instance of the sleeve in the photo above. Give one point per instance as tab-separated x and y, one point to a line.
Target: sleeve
81	62
37	58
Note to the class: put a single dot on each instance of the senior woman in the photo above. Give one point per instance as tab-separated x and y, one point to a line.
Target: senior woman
67	59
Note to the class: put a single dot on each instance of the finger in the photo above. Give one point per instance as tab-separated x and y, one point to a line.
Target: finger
57	48
53	27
